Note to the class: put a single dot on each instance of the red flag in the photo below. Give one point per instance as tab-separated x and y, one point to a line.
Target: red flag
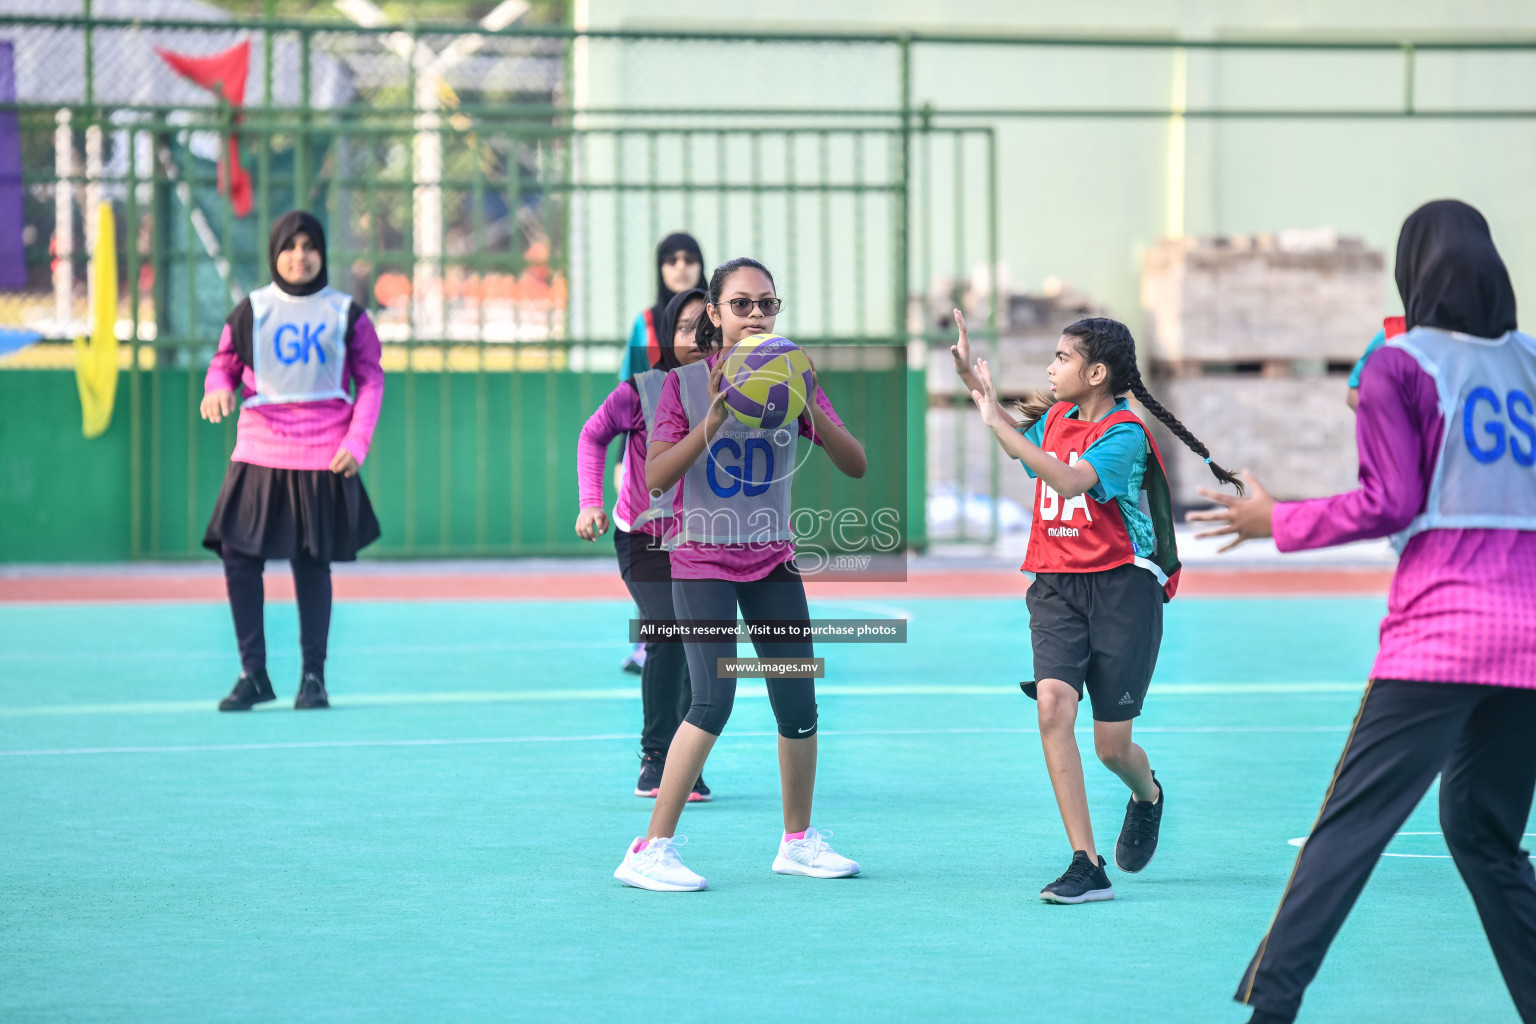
222	74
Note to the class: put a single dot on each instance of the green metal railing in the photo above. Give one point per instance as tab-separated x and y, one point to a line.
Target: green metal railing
475	452
859	198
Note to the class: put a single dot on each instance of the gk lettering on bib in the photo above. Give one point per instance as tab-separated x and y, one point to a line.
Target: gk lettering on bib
299	345
1485	477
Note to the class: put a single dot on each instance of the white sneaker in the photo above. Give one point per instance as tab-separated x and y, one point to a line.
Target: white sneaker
812	857
658	867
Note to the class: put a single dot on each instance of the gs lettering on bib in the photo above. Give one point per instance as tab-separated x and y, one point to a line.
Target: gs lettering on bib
299	346
738	490
1485	477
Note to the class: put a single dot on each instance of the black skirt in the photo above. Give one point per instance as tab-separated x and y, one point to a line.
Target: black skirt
279	513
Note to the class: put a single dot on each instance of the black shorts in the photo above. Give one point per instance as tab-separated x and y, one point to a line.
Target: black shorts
1101	630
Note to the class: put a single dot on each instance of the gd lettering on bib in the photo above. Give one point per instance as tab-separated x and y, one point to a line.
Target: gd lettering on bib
738	490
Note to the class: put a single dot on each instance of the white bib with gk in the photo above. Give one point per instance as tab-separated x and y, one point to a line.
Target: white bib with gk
299	346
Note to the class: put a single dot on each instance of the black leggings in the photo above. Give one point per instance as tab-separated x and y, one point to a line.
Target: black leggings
777	597
311	584
1478	740
647	571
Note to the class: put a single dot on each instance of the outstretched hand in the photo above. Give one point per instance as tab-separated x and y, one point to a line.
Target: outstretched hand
1246	518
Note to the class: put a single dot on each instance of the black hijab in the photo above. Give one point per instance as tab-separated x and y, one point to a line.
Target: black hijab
666	327
241	321
1450	275
669	245
288	225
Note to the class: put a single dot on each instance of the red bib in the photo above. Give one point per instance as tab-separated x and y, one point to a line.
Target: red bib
1081	534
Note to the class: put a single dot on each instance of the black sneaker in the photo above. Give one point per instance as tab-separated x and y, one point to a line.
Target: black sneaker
634	662
311	693
651	764
1138	836
251	688
1084	882
700	793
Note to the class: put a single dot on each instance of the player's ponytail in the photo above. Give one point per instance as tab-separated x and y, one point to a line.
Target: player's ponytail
1102	340
1033	407
708	335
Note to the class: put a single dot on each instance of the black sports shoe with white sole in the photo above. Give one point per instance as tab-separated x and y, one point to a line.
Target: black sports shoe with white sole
251	688
651	764
1083	882
1138	836
700	793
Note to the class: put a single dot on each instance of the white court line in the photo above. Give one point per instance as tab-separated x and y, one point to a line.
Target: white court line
625	737
374	650
390	650
1302	841
744	690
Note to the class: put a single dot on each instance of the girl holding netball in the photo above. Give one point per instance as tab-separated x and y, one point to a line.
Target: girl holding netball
642	522
294	350
1102	556
733	550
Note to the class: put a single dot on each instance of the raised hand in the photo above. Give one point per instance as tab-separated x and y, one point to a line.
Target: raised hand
985	394
961	349
1242	519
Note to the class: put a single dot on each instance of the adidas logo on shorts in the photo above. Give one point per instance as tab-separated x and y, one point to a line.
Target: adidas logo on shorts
1126	700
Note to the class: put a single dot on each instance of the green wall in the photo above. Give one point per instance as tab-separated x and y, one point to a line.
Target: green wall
62	498
462	464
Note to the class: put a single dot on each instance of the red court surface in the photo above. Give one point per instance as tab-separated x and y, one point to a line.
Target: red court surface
376	583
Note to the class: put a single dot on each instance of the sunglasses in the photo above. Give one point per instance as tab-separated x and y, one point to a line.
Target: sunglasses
680	257
741	307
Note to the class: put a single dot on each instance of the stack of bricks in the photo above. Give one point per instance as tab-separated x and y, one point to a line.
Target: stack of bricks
1250	341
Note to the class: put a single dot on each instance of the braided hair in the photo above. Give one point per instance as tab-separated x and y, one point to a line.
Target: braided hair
1102	340
708	336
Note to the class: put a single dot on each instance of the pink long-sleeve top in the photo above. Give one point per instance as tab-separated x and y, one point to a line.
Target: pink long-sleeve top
620	413
1462	606
304	435
739	563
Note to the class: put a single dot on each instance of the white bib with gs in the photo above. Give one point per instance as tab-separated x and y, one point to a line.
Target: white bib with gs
298	345
1485	477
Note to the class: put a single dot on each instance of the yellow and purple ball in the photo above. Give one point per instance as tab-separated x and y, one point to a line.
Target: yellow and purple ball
767	380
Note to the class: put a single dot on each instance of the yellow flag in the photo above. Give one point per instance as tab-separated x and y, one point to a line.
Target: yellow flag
96	360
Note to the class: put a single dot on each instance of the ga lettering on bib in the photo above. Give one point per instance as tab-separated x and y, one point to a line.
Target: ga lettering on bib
1082	534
